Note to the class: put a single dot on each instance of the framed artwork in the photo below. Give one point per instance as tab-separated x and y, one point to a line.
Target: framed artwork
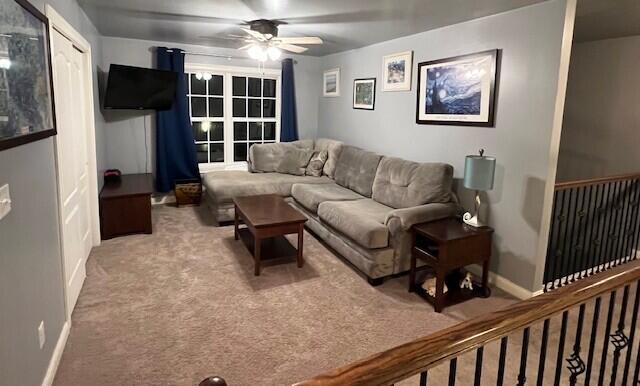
331	83
458	90
26	88
364	93
396	71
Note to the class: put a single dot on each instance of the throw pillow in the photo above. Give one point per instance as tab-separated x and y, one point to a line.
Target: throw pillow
317	163
294	161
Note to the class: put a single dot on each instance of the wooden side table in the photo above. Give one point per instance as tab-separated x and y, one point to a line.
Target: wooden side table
446	246
125	206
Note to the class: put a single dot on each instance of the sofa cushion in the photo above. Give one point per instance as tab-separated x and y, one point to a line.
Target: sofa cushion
264	158
360	220
403	184
294	161
356	169
222	186
316	163
312	195
333	149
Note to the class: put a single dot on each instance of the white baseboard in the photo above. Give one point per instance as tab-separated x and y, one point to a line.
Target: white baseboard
57	355
504	284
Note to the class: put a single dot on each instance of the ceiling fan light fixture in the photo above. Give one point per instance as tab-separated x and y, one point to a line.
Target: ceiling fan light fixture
274	53
258	53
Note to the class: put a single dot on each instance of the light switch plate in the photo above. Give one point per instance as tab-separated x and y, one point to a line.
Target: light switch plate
5	201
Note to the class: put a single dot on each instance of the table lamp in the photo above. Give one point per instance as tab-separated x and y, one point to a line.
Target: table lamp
478	175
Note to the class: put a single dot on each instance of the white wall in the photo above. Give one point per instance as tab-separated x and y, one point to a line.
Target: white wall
530	42
601	129
124	131
31	281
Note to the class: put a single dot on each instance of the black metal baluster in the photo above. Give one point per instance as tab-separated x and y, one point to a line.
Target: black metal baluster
622	231
624	244
576	364
423	378
543	352
593	233
567	247
618	338
578	220
613	230
592	341
562	219
478	374
636	228
635	206
637	371
584	256
563	334
503	354
622	208
607	331
452	371
611	214
634	319
551	244
522	375
604	222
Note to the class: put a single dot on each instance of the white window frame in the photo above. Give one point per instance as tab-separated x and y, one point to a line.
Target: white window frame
228	72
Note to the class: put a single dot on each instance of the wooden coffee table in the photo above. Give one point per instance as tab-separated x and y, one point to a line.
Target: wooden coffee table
268	218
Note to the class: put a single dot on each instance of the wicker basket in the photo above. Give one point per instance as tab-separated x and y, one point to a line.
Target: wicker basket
188	192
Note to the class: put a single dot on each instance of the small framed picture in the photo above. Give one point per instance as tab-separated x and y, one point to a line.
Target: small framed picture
331	83
364	93
396	71
458	90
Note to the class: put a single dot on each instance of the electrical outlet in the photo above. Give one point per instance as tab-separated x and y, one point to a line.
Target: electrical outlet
41	335
5	201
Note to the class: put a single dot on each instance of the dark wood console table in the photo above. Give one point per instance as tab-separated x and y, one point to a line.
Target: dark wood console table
125	206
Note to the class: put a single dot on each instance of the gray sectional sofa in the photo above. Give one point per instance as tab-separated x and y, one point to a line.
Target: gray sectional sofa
362	205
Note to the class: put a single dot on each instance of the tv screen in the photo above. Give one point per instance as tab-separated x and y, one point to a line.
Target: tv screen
136	88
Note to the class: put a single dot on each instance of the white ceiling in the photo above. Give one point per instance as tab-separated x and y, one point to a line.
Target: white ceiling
342	24
605	19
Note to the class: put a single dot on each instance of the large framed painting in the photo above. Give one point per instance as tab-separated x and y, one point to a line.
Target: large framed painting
26	89
364	93
331	83
458	91
396	71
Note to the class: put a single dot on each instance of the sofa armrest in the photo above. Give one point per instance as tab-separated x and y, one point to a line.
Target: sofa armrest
403	219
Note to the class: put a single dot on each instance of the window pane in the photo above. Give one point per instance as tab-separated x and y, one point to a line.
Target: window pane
255	131
239	131
215	85
269	107
217	152
198	86
239	86
269	88
239	152
216	133
255	87
215	107
239	107
202	153
269	131
198	106
254	108
199	133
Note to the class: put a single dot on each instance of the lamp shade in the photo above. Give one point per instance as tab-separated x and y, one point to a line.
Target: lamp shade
479	172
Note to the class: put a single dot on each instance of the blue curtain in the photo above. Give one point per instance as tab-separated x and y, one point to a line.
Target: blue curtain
288	116
176	156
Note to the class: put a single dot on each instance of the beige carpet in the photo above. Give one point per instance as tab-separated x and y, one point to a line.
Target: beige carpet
179	305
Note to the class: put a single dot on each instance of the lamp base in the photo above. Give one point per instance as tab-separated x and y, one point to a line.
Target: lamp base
472	220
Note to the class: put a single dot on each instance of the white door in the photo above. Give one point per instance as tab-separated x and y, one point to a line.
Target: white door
72	162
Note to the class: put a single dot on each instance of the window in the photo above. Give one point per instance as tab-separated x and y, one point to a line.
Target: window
231	110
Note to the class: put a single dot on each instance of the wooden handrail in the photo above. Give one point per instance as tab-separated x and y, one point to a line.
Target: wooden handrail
596	181
412	358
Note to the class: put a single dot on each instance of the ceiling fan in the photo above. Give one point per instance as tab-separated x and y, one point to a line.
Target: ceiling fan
263	42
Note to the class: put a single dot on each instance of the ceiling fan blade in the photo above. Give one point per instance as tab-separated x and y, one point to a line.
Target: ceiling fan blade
246	46
292	48
300	40
255	34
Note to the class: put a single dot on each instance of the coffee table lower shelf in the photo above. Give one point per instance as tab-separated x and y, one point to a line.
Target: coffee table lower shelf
276	249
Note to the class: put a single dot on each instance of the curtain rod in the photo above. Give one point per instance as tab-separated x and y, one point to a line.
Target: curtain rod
228	57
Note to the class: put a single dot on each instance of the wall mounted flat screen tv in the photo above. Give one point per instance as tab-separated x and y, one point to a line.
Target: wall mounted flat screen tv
136	88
